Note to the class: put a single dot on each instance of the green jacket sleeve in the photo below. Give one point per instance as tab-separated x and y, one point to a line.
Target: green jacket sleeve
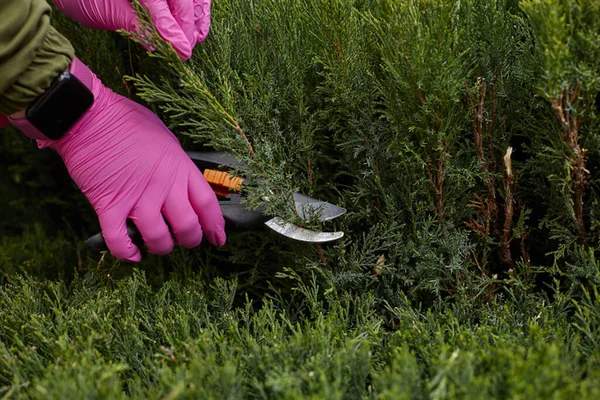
32	53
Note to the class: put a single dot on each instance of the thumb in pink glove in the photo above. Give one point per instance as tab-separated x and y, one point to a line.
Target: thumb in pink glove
183	23
129	165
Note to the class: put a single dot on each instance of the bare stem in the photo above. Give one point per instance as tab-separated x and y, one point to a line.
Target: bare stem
437	179
490	213
570	134
413	80
508	180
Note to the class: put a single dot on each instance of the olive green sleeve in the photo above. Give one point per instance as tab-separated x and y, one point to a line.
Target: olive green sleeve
32	53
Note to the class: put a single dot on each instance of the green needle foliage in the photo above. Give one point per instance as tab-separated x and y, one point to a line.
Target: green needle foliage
461	136
100	336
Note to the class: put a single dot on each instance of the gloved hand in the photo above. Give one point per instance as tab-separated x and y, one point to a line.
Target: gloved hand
129	165
183	23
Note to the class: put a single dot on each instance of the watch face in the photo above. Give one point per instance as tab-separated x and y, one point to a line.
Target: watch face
56	111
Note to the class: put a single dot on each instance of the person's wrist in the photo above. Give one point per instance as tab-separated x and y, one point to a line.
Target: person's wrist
19	119
21	114
17	115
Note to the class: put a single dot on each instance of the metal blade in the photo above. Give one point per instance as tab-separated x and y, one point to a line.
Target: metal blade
303	235
307	207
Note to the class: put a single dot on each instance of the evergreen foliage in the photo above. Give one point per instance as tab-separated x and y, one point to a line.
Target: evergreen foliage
460	135
407	113
103	336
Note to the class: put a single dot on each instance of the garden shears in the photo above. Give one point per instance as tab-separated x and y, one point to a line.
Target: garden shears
215	166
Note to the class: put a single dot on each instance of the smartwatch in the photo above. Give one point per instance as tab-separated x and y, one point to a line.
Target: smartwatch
56	110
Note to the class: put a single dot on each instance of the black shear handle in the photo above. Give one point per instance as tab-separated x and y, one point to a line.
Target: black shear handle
237	217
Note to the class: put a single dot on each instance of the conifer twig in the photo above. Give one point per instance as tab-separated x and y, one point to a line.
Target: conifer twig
490	213
309	171
413	80
216	104
438	179
483	274
570	134
321	254
149	36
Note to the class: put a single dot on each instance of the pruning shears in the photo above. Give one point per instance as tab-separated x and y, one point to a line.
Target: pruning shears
215	166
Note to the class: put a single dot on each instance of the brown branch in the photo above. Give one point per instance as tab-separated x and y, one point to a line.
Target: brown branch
309	176
525	247
575	94
378	179
478	264
432	182
476	226
217	106
492	124
508	180
441	177
557	106
477	126
321	254
490	128
413	80
239	129
338	52
438	179
580	176
570	131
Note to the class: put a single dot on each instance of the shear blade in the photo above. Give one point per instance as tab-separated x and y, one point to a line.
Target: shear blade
303	235
307	207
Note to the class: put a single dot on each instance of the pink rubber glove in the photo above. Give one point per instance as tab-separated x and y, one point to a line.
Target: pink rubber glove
183	23
129	165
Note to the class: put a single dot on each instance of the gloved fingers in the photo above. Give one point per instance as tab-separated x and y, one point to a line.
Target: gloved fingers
183	12
114	230
202	18
4	122
99	15
182	218
168	28
153	228
205	204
